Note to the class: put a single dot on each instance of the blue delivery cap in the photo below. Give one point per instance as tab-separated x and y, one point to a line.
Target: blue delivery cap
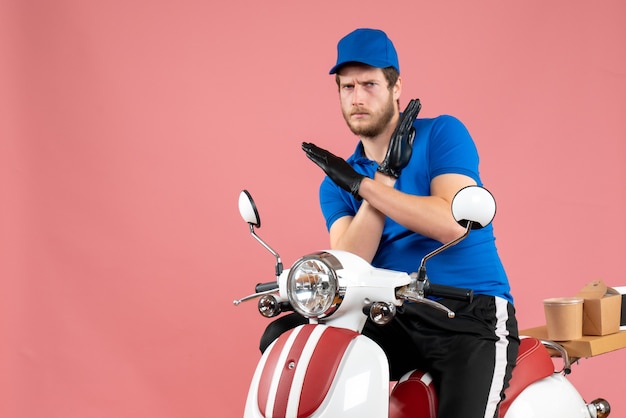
366	46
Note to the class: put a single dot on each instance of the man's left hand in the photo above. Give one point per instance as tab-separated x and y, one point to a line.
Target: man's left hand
401	142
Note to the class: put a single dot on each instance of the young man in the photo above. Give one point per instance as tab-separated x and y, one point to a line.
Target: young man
390	203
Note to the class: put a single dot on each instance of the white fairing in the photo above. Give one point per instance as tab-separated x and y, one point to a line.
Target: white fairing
552	397
360	387
364	282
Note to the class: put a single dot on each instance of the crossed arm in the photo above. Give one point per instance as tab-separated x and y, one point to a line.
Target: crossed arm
430	216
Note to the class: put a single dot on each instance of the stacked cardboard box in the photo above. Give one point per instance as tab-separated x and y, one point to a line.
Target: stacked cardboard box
602	309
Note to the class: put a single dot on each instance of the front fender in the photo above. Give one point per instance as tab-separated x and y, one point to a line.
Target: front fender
320	371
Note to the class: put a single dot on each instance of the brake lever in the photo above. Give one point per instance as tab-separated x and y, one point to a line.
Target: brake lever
412	294
237	302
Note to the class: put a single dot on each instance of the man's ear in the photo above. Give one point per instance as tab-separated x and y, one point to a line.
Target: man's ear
397	89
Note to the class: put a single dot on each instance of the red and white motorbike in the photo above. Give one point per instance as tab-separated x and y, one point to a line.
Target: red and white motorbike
327	368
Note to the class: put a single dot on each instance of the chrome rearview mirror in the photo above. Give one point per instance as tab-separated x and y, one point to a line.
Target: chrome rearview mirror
474	204
249	213
473	207
247	209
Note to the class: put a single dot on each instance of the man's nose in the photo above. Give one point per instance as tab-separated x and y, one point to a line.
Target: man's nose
357	95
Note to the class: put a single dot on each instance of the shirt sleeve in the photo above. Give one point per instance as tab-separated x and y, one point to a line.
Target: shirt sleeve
335	202
452	149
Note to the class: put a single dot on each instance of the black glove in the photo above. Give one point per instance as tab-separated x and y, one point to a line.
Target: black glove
336	168
401	142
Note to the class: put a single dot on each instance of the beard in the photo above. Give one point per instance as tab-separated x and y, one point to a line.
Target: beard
376	125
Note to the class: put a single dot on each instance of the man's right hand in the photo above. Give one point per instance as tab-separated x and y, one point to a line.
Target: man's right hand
336	168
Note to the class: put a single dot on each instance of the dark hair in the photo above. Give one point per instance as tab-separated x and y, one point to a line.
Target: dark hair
390	73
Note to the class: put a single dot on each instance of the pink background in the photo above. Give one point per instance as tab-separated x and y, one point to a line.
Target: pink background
128	128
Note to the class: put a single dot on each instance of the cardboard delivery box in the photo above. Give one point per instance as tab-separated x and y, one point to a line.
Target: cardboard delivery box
622	291
601	309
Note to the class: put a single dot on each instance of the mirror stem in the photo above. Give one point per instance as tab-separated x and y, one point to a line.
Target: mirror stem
421	276
279	263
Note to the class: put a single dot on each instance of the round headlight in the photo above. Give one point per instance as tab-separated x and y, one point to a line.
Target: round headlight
313	287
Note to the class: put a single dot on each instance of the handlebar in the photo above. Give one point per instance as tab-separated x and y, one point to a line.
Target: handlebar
419	291
448	292
264	287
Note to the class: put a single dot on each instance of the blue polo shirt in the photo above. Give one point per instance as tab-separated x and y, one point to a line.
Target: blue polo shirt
442	145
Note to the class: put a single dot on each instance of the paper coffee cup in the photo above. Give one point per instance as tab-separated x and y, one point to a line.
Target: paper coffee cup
564	318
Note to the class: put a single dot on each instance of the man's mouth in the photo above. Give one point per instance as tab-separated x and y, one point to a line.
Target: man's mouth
359	114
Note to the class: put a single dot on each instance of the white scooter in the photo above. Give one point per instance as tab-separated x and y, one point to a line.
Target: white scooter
327	368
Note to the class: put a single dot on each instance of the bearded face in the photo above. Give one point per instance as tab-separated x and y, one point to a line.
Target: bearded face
369	123
368	102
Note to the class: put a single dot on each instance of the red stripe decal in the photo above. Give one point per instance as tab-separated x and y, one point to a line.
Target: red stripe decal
322	368
268	372
288	371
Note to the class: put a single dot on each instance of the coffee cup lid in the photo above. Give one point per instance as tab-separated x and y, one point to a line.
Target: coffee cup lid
562	301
